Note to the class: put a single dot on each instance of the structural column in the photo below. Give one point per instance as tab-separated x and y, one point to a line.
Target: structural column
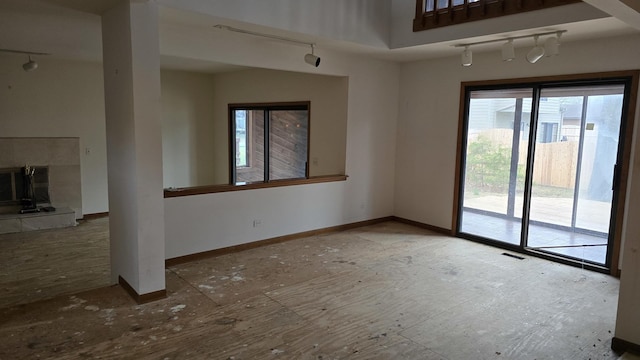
131	57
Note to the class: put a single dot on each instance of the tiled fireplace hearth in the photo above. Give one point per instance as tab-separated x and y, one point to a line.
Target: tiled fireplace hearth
56	183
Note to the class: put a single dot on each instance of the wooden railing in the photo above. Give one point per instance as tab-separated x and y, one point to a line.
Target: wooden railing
432	14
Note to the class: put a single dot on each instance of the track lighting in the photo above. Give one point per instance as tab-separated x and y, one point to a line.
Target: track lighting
536	53
467	57
508	52
310	59
551	47
30	65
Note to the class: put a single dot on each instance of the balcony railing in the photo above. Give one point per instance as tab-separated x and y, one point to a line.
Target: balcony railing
432	14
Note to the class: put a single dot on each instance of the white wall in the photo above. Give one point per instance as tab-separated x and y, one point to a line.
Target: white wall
195	119
205	222
188	149
429	110
60	99
427	138
363	22
328	113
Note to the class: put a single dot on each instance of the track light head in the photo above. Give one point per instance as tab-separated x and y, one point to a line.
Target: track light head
552	45
30	65
467	57
508	52
312	59
536	53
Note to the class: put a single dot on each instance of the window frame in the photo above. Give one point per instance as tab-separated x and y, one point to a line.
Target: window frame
267	107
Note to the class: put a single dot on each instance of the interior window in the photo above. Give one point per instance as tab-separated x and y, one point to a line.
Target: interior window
271	142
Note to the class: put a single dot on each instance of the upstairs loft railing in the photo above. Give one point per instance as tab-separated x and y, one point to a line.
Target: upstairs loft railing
432	14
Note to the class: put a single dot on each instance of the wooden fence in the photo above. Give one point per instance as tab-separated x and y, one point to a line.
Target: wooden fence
555	163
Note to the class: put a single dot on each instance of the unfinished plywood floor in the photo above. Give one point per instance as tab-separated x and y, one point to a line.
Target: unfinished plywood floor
388	291
36	265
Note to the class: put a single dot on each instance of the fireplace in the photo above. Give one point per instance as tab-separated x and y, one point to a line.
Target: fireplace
56	180
13	188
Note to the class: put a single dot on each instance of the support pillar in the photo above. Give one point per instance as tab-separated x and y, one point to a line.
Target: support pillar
131	55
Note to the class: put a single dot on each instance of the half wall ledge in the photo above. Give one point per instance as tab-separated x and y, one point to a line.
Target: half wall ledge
210	189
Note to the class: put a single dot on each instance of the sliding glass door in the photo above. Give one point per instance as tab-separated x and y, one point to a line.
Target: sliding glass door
496	152
573	171
538	167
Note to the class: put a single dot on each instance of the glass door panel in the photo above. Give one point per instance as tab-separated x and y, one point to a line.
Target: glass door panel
555	162
575	155
602	134
496	153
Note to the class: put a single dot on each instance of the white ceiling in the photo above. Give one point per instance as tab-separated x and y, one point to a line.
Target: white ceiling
27	25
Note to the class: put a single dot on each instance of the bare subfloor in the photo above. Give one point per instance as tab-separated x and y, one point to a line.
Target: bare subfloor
388	291
36	265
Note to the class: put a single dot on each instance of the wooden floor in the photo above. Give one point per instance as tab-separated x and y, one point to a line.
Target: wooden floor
388	291
36	265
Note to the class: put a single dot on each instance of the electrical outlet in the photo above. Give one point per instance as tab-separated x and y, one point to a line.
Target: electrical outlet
257	223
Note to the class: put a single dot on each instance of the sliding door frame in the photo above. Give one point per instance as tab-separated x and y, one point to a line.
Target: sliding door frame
621	175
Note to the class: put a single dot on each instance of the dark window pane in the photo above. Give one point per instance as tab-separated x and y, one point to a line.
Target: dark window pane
288	141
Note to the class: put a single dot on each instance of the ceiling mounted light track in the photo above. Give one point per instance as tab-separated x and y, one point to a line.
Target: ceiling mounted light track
29	65
551	47
311	59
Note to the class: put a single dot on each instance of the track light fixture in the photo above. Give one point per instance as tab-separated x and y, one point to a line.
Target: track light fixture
551	47
467	57
508	52
536	53
311	59
29	65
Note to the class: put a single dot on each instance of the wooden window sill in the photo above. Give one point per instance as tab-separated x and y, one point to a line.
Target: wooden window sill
210	189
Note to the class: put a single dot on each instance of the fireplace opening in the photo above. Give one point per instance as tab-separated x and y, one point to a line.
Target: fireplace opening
14	189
